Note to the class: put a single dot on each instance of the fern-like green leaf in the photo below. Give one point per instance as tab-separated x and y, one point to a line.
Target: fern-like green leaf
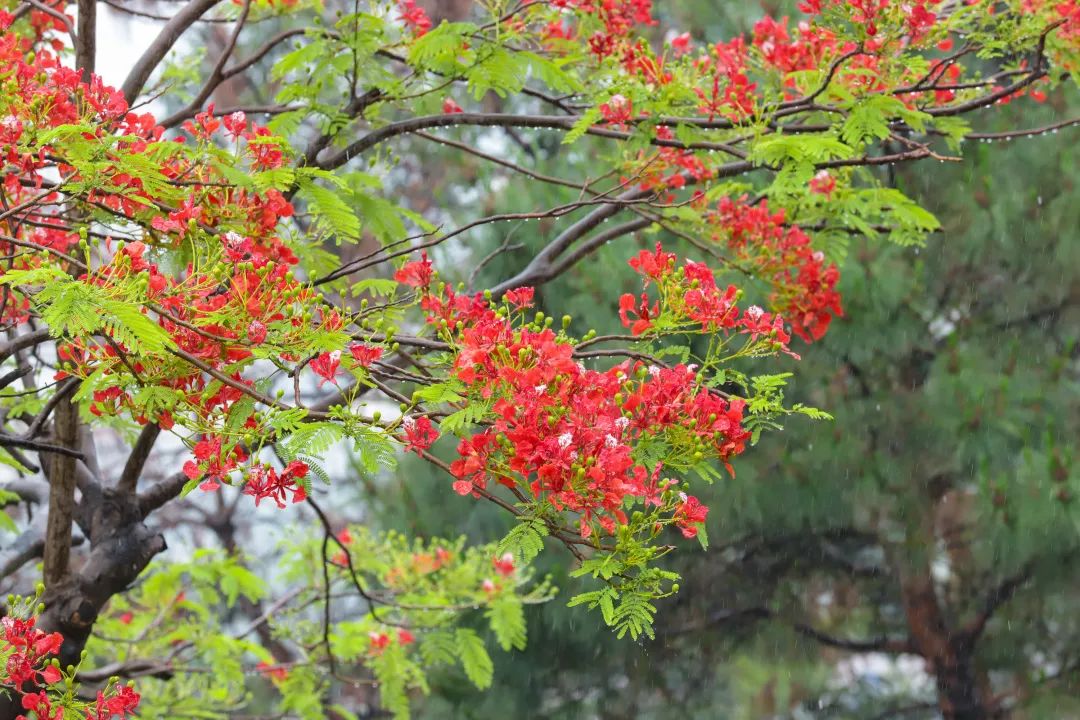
474	657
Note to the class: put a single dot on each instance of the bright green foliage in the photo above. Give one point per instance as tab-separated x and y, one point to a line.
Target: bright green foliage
396	608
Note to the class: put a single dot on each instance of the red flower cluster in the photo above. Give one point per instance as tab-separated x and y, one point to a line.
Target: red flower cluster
729	92
31	647
564	433
365	355
240	297
265	482
690	295
418	273
29	650
415	17
617	110
118	704
379	641
804	286
212	464
673	167
504	565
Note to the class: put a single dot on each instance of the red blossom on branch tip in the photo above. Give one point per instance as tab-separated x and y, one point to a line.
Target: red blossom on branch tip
417	274
275	672
420	434
520	297
681	44
326	366
377	642
256	332
365	355
823	184
630	308
265	482
415	17
689	515
504	565
563	433
617	110
653	265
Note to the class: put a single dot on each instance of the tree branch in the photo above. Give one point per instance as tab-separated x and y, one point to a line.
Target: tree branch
894	646
552	122
161	493
133	468
86	41
163	43
997	597
61	474
217	75
21	342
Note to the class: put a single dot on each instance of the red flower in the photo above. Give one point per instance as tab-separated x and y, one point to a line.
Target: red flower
274	672
644	313
379	641
653	265
689	515
504	565
420	434
326	366
51	674
256	332
365	354
520	297
414	17
265	482
823	184
418	273
617	110
681	44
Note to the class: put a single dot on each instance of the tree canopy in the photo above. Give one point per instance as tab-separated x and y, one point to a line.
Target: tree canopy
349	233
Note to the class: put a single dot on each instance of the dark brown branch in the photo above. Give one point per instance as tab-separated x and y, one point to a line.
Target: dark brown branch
86	42
162	44
261	52
217	75
26	547
755	614
1014	134
61	474
39	446
21	342
1037	73
133	468
551	122
161	492
68	386
997	597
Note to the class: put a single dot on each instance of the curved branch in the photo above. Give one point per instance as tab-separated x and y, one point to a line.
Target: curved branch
162	44
217	75
551	122
133	468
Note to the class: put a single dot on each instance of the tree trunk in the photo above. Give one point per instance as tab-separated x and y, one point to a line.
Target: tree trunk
948	656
